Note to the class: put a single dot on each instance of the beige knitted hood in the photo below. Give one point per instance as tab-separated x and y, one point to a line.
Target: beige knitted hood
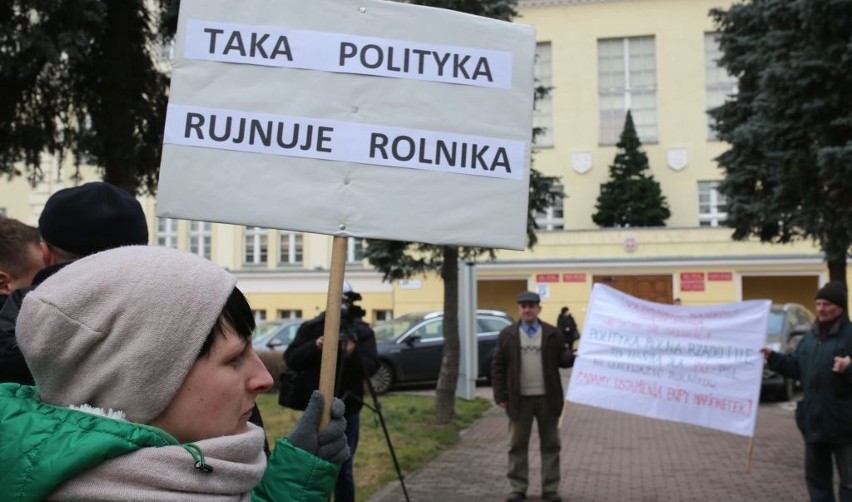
121	329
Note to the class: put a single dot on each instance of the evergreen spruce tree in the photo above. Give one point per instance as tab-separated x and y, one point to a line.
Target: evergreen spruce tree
788	167
631	197
82	79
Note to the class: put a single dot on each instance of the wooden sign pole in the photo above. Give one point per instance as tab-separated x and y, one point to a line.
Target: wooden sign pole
748	454
331	334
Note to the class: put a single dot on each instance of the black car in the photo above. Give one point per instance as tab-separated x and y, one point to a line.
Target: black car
788	323
411	346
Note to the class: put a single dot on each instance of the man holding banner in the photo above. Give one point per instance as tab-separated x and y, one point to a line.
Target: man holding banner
824	415
526	382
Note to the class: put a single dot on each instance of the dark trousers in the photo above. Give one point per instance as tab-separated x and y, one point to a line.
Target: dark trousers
344	489
819	471
520	430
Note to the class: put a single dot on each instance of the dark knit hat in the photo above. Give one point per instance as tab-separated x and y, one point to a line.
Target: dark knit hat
528	297
93	217
835	292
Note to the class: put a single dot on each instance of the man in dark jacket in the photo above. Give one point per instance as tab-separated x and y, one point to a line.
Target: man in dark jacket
526	382
824	415
357	361
74	223
20	256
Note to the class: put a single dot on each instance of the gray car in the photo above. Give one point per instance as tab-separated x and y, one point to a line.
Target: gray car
275	335
411	347
788	323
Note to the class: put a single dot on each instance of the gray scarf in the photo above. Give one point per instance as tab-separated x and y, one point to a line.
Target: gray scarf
168	473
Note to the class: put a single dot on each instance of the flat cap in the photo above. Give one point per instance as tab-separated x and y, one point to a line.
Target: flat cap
528	297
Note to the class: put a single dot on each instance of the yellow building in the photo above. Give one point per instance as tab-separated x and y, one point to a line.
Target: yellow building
601	57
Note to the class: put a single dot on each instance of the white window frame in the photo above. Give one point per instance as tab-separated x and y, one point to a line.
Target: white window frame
637	90
291	247
167	51
256	246
259	315
543	114
167	232
200	238
719	84
380	315
711	213
355	250
553	217
289	313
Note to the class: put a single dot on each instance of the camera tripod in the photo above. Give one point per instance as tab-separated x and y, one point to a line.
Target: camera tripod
376	407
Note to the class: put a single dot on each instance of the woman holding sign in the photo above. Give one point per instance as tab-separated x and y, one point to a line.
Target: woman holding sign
145	381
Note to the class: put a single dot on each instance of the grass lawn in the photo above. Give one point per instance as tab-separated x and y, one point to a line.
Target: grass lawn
410	423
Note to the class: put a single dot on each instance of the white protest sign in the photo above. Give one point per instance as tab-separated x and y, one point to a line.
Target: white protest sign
698	365
370	119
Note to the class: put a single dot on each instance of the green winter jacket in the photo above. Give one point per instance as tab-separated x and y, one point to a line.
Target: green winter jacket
825	412
42	446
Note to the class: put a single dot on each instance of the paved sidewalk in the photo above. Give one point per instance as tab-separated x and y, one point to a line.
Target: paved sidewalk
611	456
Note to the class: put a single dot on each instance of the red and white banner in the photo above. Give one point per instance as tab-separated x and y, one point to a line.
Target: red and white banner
697	365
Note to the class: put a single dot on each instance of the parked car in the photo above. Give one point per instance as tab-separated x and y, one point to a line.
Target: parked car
788	323
411	347
275	335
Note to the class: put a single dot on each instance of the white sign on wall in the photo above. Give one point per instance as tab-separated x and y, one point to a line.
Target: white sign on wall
370	119
698	365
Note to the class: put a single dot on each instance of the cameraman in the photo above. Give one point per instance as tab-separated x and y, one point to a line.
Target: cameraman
357	361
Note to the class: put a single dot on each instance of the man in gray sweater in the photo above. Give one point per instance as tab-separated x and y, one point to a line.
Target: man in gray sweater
526	382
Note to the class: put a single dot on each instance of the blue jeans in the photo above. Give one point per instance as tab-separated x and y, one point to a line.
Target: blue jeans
344	489
819	471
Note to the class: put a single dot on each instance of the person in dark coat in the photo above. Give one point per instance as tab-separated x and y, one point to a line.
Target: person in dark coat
526	382
74	223
358	360
20	256
824	415
568	326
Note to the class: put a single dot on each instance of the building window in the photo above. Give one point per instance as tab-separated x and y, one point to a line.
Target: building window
543	116
355	250
199	238
255	245
167	232
290	247
289	314
552	218
711	204
259	315
627	80
720	84
167	51
2	211
382	315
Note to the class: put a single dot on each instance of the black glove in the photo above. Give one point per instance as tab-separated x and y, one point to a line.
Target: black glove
330	443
